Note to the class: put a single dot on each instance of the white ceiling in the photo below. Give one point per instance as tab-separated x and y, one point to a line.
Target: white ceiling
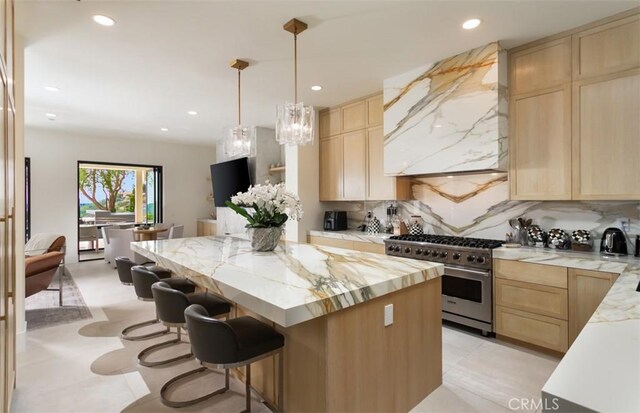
164	58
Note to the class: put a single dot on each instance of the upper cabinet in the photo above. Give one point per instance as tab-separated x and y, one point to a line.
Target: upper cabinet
574	124
351	154
448	116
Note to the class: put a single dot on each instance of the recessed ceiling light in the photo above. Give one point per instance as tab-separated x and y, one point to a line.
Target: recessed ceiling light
450	176
471	24
437	126
316	88
164	129
103	20
51	116
192	113
51	89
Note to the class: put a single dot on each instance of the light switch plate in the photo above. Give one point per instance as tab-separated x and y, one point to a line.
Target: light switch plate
388	315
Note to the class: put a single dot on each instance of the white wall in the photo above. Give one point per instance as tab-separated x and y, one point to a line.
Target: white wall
54	193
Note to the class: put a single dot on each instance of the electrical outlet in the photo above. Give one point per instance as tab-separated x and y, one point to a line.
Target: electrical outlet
388	315
625	223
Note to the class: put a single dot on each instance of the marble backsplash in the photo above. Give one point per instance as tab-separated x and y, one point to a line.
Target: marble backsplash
479	206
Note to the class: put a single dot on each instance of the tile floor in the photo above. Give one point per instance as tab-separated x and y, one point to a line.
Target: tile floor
85	367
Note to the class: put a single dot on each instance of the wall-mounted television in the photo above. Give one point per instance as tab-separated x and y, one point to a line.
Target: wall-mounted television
229	178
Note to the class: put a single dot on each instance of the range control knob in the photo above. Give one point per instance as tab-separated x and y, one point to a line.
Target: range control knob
407	250
419	251
390	248
427	252
396	248
456	256
443	254
471	258
480	260
434	253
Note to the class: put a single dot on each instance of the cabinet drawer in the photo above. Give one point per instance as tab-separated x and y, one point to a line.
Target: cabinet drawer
533	273
330	242
532	328
368	247
539	299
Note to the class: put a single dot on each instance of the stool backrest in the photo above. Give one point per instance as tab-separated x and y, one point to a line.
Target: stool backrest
170	303
143	279
212	341
124	265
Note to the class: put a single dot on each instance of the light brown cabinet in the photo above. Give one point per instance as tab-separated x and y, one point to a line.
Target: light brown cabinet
351	155
606	137
347	244
586	291
206	228
574	104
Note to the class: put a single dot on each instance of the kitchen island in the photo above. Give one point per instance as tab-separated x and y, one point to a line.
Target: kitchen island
330	305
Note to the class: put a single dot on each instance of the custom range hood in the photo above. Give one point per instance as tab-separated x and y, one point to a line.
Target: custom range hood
448	117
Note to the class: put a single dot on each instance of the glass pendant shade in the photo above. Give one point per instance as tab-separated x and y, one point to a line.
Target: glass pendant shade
294	124
240	141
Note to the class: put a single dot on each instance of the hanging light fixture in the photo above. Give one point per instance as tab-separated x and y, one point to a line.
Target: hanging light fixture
295	121
240	140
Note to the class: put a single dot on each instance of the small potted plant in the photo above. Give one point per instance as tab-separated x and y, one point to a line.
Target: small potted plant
266	208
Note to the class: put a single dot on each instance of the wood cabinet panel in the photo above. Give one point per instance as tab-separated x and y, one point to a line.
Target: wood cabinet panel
541	67
331	169
586	291
535	298
532	328
369	247
330	123
354	116
206	228
354	165
540	145
608	48
606	149
330	242
548	275
375	111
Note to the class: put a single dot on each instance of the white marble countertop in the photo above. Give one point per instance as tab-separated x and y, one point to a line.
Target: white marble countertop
351	235
293	284
601	370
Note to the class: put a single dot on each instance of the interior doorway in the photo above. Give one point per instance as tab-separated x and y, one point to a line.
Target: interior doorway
114	195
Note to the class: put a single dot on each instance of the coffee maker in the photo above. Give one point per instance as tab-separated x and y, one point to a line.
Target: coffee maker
613	242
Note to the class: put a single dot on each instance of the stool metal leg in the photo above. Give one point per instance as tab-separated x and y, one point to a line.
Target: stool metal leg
125	333
186	403
247	389
152	349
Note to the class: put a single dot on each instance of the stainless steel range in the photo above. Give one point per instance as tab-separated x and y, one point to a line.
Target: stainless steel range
467	284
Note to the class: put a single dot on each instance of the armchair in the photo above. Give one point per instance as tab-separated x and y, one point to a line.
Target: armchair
44	256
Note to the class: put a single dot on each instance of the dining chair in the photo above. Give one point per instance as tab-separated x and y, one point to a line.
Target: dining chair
121	240
108	257
176	231
163	225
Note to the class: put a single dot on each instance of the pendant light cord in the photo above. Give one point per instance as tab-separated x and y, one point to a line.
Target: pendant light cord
239	122
295	68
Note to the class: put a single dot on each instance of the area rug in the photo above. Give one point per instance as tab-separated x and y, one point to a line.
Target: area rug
42	309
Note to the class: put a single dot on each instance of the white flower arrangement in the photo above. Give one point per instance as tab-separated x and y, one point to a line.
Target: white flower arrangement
272	205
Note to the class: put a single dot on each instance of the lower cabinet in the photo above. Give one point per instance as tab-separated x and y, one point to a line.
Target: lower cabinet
347	244
546	305
586	291
206	228
547	332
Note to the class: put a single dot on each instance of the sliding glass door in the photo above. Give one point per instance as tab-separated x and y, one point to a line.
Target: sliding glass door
115	195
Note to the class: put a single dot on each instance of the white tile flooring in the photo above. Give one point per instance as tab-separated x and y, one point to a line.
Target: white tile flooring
85	367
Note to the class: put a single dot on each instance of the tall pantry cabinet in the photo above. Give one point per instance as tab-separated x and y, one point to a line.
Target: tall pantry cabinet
7	207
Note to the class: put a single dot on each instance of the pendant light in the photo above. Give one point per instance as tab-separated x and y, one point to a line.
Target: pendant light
240	140
295	121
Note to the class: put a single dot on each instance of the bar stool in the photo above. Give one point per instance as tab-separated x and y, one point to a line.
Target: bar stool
170	306
124	265
143	277
228	344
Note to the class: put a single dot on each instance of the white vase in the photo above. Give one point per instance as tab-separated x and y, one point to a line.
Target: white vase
265	239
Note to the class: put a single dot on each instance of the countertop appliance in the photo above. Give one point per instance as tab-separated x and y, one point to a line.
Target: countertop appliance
335	221
613	242
467	283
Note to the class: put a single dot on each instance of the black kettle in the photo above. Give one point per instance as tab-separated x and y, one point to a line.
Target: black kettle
613	242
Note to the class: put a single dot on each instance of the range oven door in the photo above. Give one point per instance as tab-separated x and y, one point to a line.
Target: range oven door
467	293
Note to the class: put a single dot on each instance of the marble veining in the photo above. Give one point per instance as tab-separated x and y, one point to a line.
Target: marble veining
448	116
352	236
293	284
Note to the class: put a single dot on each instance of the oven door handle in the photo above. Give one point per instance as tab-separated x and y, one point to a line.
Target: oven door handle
459	271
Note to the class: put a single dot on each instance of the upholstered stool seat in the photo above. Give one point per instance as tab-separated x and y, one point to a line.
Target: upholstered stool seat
124	265
144	278
228	344
170	306
161	272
